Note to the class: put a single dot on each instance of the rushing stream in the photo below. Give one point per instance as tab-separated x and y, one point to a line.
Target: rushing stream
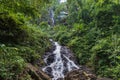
58	63
51	15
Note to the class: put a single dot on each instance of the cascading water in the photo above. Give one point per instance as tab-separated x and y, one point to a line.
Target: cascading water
51	14
58	64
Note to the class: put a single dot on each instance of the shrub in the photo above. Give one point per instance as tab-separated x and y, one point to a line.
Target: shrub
11	64
20	43
12	29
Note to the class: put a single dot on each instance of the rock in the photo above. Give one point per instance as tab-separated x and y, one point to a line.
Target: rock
104	79
46	54
52	47
83	73
36	74
48	71
80	74
50	59
67	52
60	79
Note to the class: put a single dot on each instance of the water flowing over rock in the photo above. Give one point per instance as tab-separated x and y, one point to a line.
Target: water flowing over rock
51	15
59	62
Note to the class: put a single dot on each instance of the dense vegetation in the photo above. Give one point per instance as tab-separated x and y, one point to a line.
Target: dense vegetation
21	41
91	30
93	34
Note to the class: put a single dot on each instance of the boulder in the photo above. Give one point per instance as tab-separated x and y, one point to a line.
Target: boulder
36	73
83	73
50	59
80	74
104	79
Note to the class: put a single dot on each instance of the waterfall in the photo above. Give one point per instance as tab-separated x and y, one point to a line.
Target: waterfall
58	64
51	14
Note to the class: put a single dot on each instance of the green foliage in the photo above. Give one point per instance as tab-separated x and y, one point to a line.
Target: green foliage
20	43
93	49
12	29
94	35
105	56
11	64
28	7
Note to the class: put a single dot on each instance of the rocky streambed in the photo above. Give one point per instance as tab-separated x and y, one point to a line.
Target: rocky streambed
60	64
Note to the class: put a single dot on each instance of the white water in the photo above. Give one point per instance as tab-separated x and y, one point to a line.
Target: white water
51	13
57	66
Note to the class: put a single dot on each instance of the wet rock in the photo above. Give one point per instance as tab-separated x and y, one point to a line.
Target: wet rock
50	59
53	47
46	54
60	79
48	71
65	68
67	52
